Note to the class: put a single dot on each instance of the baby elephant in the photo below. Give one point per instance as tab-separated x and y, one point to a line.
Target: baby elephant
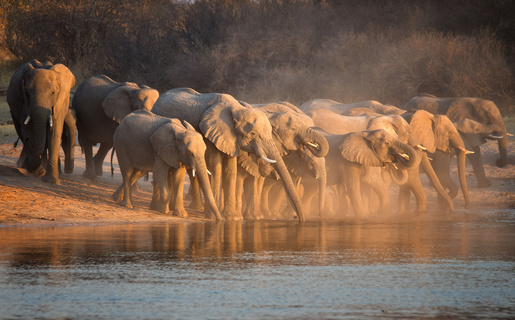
147	142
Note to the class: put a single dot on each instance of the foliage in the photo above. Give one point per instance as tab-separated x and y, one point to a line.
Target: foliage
263	50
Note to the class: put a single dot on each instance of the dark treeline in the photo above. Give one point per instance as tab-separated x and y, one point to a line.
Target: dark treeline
264	50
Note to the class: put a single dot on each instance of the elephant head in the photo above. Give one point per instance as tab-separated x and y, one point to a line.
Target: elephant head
178	143
38	98
232	127
436	132
375	149
475	134
127	98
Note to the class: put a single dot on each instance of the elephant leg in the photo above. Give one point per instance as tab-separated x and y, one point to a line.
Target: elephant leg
403	199
248	194
161	186
441	165
98	159
278	194
352	180
214	161
242	174
257	192
87	146
479	170
415	185
264	205
129	178
230	171
177	180
384	198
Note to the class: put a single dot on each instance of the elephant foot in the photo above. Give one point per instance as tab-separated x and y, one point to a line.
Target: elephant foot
88	174
39	171
500	163
180	213
98	170
126	204
453	193
484	183
196	206
68	170
231	214
51	179
117	196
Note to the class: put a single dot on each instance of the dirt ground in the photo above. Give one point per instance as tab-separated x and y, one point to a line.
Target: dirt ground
26	200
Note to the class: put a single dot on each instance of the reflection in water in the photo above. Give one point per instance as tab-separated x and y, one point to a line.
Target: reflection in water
425	267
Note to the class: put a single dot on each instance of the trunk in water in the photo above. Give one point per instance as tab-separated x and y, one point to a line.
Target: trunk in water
205	185
283	173
322	185
461	172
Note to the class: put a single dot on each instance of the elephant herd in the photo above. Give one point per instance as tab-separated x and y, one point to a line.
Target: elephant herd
247	158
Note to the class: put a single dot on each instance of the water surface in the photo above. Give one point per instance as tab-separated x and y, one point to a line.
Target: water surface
449	266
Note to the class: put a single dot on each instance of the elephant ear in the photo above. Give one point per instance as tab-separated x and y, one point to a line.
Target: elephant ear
248	162
66	82
357	148
217	125
164	142
117	105
423	128
443	131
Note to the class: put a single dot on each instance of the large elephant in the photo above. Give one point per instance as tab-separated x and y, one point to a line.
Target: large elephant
351	155
147	142
367	106
100	104
39	99
228	127
480	110
439	136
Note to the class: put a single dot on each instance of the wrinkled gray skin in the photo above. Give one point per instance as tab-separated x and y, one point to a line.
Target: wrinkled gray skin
293	133
100	104
39	98
229	127
473	134
351	109
456	109
147	142
351	155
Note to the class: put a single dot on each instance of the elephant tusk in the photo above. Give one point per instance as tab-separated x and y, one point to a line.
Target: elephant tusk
430	159
50	121
405	156
395	166
193	173
209	172
491	136
421	147
268	160
509	134
465	150
27	120
314	145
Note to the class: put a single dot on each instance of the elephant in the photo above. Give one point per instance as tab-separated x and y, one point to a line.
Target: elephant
439	136
351	156
456	109
147	142
368	106
100	104
228	126
295	139
39	97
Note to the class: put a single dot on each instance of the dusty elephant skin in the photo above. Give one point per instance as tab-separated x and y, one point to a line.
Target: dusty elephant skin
39	98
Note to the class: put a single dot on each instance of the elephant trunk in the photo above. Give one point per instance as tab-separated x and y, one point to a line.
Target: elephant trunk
322	185
205	185
282	171
460	154
38	136
315	142
404	153
399	175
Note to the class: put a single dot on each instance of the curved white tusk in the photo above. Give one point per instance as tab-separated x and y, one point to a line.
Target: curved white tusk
209	172
50	120
430	159
465	150
268	160
314	145
509	134
395	166
405	156
421	147
491	136
27	120
193	173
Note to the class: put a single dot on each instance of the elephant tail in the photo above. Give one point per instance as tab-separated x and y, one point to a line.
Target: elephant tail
112	168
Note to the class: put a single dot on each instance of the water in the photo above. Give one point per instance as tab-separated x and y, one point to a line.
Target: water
449	266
